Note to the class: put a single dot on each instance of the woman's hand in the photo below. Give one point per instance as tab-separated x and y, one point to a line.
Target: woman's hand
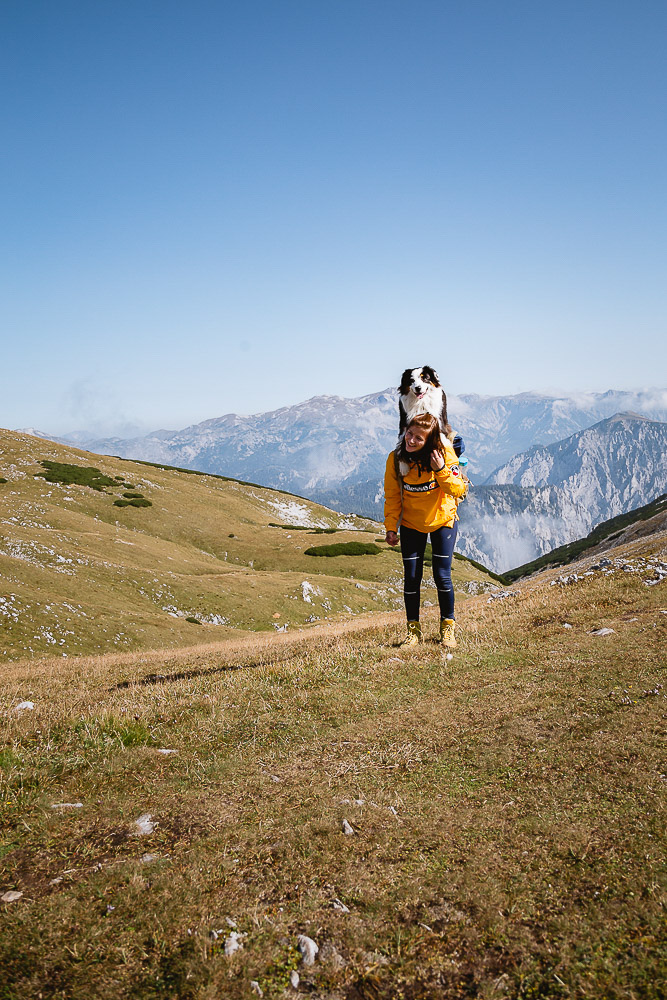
391	538
437	461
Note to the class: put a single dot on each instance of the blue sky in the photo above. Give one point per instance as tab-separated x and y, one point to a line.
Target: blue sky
213	207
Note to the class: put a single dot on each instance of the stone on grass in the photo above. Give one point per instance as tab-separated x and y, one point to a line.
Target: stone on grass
340	906
166	752
294	979
11	896
331	956
307	948
233	943
256	988
24	706
143	825
347	828
602	631
67	805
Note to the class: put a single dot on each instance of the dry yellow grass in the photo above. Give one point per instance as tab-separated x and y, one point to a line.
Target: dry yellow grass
508	809
82	576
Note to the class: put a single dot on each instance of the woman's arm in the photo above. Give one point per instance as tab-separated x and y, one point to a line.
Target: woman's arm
392	498
448	479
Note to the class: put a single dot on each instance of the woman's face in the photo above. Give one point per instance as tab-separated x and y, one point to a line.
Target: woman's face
415	439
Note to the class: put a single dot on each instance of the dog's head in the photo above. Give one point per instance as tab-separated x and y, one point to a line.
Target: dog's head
418	381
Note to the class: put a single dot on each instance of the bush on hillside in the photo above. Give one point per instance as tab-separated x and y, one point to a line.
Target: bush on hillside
137	502
133	496
344	549
75	475
3	480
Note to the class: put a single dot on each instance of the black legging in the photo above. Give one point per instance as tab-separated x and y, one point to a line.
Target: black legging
413	544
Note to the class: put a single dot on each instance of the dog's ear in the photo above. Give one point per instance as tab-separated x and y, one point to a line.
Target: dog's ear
432	375
406	378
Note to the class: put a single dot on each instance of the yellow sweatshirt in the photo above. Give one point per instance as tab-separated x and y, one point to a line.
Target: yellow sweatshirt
429	498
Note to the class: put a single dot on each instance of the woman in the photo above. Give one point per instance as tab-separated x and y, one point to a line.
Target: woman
422	487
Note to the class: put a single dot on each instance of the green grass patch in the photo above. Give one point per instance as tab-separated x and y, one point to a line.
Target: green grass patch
483	569
344	549
130	495
193	620
75	475
3	480
103	733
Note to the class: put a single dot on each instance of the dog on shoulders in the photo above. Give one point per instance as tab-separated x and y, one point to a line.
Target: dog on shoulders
420	392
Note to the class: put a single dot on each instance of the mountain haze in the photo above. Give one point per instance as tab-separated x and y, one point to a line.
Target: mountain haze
330	443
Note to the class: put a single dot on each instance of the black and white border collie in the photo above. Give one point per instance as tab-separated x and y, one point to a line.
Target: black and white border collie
420	392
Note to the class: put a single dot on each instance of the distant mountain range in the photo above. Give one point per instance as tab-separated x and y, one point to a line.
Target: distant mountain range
549	467
330	441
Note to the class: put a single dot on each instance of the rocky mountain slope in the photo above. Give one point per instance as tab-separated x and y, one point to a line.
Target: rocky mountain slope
643	522
552	495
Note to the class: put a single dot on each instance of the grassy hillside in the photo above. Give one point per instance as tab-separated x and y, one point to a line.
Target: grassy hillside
611	530
507	807
86	570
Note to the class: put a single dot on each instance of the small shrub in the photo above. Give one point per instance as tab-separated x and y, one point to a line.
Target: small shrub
3	480
136	502
324	531
119	477
231	536
75	475
133	496
344	549
193	620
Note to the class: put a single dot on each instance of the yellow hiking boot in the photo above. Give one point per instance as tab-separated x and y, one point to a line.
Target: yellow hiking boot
414	636
447	626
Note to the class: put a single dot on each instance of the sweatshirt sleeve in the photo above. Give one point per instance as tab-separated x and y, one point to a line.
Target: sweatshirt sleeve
392	496
449	478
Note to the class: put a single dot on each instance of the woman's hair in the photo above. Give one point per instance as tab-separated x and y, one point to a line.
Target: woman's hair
422	458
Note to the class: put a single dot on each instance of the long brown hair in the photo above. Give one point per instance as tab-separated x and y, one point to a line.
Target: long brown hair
421	458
